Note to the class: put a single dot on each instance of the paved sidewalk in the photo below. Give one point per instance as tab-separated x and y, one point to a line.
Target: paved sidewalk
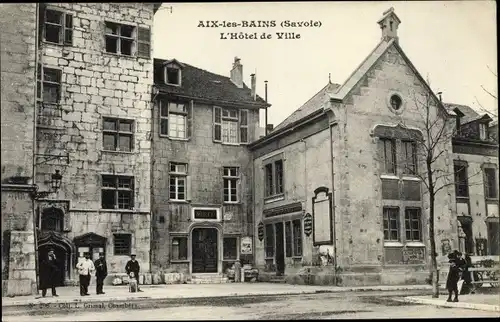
186	291
484	302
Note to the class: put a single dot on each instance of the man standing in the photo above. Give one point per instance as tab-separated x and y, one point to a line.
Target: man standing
101	271
133	266
85	269
48	273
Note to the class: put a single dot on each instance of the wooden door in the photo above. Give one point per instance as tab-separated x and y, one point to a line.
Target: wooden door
205	250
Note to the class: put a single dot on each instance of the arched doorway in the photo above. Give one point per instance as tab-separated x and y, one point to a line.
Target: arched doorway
63	250
205	250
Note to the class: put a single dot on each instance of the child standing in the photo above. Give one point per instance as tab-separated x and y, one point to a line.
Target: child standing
453	278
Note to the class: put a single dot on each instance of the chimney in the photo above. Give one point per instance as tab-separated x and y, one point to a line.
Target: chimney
237	73
253	85
269	128
389	25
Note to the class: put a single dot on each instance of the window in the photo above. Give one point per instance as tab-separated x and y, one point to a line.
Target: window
48	84
269	245
483	131
490	183
231	177
117	192
396	102
391	224
461	182
58	27
389	155
117	134
178	181
230	126
274	178
230	248
173	75
413	224
121	39
410	157
175	119
297	237
123	243
179	248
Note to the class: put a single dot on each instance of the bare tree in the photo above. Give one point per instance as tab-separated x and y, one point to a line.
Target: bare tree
431	144
492	95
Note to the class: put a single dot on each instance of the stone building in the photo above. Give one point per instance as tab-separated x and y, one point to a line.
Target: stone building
202	169
338	185
87	91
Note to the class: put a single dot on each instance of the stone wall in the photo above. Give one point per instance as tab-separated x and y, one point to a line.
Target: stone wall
97	84
205	160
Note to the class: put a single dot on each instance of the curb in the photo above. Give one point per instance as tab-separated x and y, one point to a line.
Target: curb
145	297
443	303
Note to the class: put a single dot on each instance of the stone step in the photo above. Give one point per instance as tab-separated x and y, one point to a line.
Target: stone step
208	280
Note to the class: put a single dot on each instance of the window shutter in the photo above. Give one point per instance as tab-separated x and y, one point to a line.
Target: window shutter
189	122
68	29
243	126
163	111
188	188
143	42
217	125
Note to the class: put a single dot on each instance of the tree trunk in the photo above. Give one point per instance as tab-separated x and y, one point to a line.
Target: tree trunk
434	268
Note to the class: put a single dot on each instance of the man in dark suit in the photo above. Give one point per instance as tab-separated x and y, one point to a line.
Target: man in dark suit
133	266
101	271
49	271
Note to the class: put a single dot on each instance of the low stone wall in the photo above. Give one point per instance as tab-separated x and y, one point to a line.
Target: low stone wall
147	279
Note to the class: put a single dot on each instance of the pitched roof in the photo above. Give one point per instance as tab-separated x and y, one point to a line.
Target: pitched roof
199	83
313	104
469	113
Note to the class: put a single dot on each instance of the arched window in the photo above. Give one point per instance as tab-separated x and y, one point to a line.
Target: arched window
52	220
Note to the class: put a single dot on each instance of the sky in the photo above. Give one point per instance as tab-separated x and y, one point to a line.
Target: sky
451	43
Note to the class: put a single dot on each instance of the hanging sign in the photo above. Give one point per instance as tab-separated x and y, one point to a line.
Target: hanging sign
308	224
260	231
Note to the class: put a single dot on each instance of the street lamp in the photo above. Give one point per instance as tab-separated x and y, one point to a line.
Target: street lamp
56	180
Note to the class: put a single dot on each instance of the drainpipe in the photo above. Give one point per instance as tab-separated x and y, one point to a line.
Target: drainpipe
333	206
35	110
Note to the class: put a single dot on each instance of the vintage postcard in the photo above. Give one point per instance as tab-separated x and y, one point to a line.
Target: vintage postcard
249	160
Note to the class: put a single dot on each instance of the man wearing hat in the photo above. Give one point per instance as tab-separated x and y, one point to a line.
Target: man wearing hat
133	266
48	273
85	269
101	271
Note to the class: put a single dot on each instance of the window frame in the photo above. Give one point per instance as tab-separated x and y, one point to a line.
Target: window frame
167	107
117	189
486	182
185	250
177	175
410	161
483	131
388	220
272	188
65	26
179	75
128	251
237	252
409	220
118	133
119	37
42	83
231	179
387	162
223	117
269	240
461	183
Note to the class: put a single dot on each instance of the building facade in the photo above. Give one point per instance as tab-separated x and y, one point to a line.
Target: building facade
202	169
91	109
357	211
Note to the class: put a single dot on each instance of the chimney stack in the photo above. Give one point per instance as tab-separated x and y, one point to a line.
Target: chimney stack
253	87
269	128
237	73
389	25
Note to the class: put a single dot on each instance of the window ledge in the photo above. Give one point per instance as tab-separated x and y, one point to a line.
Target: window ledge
174	138
462	198
171	84
411	178
179	201
274	198
393	244
118	210
389	176
232	203
45	42
179	261
296	257
415	244
230	144
491	199
121	55
117	152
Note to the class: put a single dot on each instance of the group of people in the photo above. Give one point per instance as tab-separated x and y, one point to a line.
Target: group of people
459	270
50	271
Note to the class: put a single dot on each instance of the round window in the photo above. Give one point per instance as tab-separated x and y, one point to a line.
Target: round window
396	102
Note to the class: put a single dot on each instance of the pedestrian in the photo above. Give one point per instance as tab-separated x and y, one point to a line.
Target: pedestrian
453	278
133	266
466	275
49	271
85	269
101	271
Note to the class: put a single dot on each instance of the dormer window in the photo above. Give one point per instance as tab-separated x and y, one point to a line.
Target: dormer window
483	131
173	76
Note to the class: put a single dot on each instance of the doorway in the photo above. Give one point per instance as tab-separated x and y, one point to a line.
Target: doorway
205	250
280	253
62	261
493	228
